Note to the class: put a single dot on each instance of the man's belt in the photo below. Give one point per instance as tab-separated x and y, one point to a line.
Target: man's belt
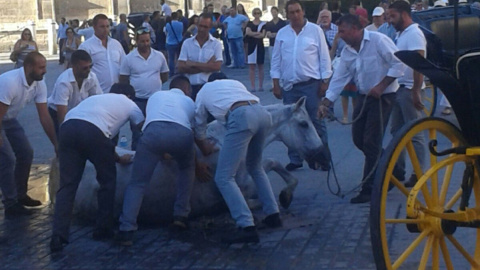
311	80
240	104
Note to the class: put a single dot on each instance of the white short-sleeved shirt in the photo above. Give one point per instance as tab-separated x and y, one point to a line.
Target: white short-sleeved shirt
217	98
144	73
108	112
167	11
66	91
410	39
15	92
170	106
191	51
106	61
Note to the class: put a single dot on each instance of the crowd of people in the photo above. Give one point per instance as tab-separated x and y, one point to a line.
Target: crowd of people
107	83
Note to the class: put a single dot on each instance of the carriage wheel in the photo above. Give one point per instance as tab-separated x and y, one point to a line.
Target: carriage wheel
406	232
430	99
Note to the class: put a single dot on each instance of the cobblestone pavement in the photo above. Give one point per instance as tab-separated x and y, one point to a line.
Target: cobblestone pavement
320	231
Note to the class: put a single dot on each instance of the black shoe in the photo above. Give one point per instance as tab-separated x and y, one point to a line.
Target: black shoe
100	234
124	238
244	235
361	198
290	166
411	181
57	243
27	201
273	221
179	223
17	210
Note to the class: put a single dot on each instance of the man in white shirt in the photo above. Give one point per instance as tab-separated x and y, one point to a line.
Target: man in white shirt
86	29
247	124
167	130
146	24
166	10
87	134
61	37
300	67
146	70
376	87
107	53
377	19
72	86
408	105
200	55
20	86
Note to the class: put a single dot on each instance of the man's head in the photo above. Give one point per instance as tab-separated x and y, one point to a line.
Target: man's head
181	82
123	17
295	13
418	5
162	2
350	29
400	15
224	10
35	66
142	38
75	23
378	16
210	8
62	20
174	16
124	89
325	18
233	11
81	64
180	13
204	25
217	76
156	15
146	18
274	12
101	26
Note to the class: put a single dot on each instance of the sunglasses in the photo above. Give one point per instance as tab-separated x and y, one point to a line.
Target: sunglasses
142	30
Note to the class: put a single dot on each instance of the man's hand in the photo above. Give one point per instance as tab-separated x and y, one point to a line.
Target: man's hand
125	159
203	172
322	89
323	109
417	100
376	91
207	147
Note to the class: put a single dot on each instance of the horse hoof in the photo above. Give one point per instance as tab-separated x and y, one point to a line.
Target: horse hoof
285	197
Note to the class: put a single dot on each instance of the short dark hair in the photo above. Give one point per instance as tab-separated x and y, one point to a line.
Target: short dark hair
99	17
351	20
401	6
31	58
155	13
293	2
146	15
174	15
274	8
123	88
179	81
206	15
217	76
80	55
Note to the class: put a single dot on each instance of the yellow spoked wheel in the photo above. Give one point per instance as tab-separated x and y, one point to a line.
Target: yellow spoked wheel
421	227
430	99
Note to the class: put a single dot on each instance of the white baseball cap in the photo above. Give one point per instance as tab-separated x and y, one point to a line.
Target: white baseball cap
378	11
439	3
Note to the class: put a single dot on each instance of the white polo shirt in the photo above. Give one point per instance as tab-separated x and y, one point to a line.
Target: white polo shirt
170	106
66	91
191	51
144	73
217	98
410	39
106	61
108	112
15	92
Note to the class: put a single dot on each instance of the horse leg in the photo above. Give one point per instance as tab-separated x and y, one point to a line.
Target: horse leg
286	195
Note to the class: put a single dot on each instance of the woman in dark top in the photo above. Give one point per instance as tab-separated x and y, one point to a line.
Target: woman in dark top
272	28
255	32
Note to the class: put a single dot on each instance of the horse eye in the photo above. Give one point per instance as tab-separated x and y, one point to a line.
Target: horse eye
303	124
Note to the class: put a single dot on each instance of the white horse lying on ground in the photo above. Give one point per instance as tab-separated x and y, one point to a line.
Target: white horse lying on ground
291	125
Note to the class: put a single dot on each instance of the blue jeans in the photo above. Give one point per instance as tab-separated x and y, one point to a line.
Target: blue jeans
158	138
81	141
226	51
136	131
238	55
404	111
308	89
247	128
173	51
16	156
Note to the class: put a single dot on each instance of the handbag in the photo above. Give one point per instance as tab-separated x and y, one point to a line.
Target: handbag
14	56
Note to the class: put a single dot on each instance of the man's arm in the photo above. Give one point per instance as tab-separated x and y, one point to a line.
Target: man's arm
47	123
417	86
275	69
125	79
3	111
164	76
378	89
61	112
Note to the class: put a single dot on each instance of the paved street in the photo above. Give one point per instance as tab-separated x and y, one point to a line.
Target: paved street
320	231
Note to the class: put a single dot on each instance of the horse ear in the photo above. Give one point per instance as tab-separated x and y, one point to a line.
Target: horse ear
300	103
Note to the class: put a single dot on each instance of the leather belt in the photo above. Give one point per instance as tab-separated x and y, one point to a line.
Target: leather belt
242	103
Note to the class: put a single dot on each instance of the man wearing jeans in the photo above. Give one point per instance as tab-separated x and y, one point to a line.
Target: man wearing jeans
173	30
247	124
168	130
235	25
300	67
376	87
20	86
